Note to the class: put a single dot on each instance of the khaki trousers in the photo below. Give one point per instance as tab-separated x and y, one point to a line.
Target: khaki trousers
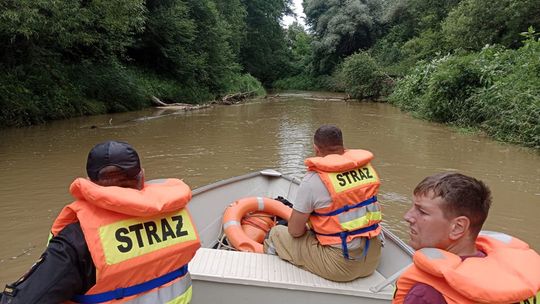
326	261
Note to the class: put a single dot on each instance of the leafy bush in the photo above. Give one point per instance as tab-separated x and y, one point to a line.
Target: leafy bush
245	83
112	84
475	23
34	94
361	76
449	88
512	102
495	90
298	82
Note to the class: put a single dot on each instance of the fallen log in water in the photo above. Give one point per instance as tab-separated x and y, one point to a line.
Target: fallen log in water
230	99
313	97
177	106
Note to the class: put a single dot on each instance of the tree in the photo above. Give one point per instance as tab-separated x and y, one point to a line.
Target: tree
299	42
341	27
264	53
70	30
473	24
414	30
165	44
234	14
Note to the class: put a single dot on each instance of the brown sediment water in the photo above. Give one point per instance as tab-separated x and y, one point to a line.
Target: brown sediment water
38	163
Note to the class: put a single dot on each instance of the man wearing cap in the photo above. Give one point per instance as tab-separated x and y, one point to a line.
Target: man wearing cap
121	239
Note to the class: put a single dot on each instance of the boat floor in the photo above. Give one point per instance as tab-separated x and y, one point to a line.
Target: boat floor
269	271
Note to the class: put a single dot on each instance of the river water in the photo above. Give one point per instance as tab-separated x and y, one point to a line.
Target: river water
38	163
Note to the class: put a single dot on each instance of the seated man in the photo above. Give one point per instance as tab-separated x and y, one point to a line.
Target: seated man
121	239
338	197
454	262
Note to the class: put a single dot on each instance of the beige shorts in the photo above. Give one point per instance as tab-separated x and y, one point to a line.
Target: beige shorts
326	261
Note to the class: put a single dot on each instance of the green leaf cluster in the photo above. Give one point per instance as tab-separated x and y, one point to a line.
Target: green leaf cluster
65	58
341	28
495	90
361	76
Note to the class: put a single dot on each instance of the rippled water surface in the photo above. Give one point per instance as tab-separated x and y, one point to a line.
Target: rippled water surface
37	164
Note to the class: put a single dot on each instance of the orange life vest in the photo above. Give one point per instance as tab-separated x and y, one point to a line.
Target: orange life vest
354	211
140	241
510	273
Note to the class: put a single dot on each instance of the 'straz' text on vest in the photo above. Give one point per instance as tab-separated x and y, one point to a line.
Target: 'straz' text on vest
352	176
147	233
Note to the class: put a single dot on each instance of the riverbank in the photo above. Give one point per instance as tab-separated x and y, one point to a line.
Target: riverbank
31	96
495	91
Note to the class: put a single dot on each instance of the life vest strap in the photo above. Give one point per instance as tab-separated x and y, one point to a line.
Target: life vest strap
344	234
132	290
346	208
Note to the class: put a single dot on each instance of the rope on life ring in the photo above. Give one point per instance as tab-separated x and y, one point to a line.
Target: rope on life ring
232	220
257	224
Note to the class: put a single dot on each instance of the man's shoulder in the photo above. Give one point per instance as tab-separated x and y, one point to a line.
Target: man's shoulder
73	229
311	177
71	234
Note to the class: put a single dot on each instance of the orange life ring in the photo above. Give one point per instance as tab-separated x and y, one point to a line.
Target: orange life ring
257	224
232	219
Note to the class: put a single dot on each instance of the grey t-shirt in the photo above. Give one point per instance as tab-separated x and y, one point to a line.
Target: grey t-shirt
312	194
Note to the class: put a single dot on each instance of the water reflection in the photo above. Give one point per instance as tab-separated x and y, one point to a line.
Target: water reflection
294	146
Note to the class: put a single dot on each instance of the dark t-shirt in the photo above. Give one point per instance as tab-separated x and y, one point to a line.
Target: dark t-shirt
422	293
64	269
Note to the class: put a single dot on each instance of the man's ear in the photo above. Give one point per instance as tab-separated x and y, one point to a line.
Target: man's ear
317	150
459	227
141	179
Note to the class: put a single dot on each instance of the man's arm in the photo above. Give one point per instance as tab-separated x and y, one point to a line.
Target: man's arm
64	269
297	223
311	194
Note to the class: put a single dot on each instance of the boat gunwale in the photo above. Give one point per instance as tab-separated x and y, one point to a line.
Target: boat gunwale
265	172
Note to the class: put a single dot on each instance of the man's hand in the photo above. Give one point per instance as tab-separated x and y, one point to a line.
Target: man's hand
297	223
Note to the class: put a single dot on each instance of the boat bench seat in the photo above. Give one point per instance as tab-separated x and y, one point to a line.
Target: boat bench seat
236	267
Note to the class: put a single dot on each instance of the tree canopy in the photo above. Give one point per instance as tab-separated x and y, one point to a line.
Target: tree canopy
341	27
65	58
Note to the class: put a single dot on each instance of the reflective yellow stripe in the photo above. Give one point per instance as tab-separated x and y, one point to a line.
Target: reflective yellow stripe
50	237
362	222
531	300
356	213
177	293
183	299
131	238
343	181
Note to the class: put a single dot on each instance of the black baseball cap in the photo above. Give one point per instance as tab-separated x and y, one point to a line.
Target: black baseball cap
113	153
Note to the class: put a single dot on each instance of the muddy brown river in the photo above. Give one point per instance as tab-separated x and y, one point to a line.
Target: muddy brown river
38	163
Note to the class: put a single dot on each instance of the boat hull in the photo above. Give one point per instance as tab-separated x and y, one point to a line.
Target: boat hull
221	276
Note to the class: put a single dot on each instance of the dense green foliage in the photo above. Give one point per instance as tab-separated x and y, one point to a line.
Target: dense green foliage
66	58
361	77
49	49
496	90
341	28
462	62
473	24
264	53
